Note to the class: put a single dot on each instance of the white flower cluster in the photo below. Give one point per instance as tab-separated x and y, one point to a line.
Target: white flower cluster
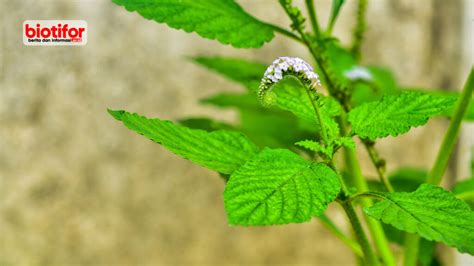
359	72
287	65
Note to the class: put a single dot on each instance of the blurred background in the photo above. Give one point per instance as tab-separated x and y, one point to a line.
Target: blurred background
77	188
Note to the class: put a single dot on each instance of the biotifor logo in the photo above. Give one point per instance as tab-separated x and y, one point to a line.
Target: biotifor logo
54	32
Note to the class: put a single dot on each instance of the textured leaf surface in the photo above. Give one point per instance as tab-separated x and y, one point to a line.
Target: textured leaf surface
430	211
222	20
290	95
394	115
469	115
222	151
248	73
279	187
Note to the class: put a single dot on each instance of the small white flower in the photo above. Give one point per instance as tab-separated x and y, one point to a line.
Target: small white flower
287	65
358	72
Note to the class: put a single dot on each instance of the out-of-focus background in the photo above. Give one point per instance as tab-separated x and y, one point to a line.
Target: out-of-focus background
77	188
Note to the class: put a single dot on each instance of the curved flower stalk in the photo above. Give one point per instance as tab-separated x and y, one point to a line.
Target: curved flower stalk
282	67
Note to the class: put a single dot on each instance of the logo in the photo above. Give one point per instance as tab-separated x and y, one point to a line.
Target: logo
54	32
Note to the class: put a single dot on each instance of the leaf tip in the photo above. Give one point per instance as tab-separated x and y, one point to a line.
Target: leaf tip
117	114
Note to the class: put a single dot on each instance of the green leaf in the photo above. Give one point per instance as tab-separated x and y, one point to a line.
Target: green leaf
394	115
430	211
267	127
222	20
222	151
248	73
336	7
279	187
204	124
381	82
290	95
469	116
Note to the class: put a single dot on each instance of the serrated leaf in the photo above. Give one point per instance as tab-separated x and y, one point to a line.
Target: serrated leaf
311	145
431	212
394	115
469	115
279	187
247	73
222	20
222	151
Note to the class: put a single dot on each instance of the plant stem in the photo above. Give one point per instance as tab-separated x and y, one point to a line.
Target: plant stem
374	226
411	249
359	29
444	153
354	246
325	136
312	16
447	146
285	32
369	255
378	163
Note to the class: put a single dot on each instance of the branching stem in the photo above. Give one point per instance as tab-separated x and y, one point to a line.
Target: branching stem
339	234
369	255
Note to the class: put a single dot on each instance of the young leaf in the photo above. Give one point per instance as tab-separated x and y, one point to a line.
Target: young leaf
222	151
290	95
430	211
394	115
222	20
279	187
246	72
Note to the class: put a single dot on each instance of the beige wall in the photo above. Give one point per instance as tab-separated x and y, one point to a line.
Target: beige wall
78	188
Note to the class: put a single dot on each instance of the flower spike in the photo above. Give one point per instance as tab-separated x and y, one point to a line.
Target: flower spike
281	67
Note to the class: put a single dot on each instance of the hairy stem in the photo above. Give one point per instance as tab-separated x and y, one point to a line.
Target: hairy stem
325	136
359	29
354	246
369	255
378	163
312	16
374	226
442	159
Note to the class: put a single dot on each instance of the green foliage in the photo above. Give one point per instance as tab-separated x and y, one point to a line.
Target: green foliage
276	186
328	150
279	187
381	82
469	115
222	20
267	127
290	95
430	211
248	73
222	151
336	7
394	115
